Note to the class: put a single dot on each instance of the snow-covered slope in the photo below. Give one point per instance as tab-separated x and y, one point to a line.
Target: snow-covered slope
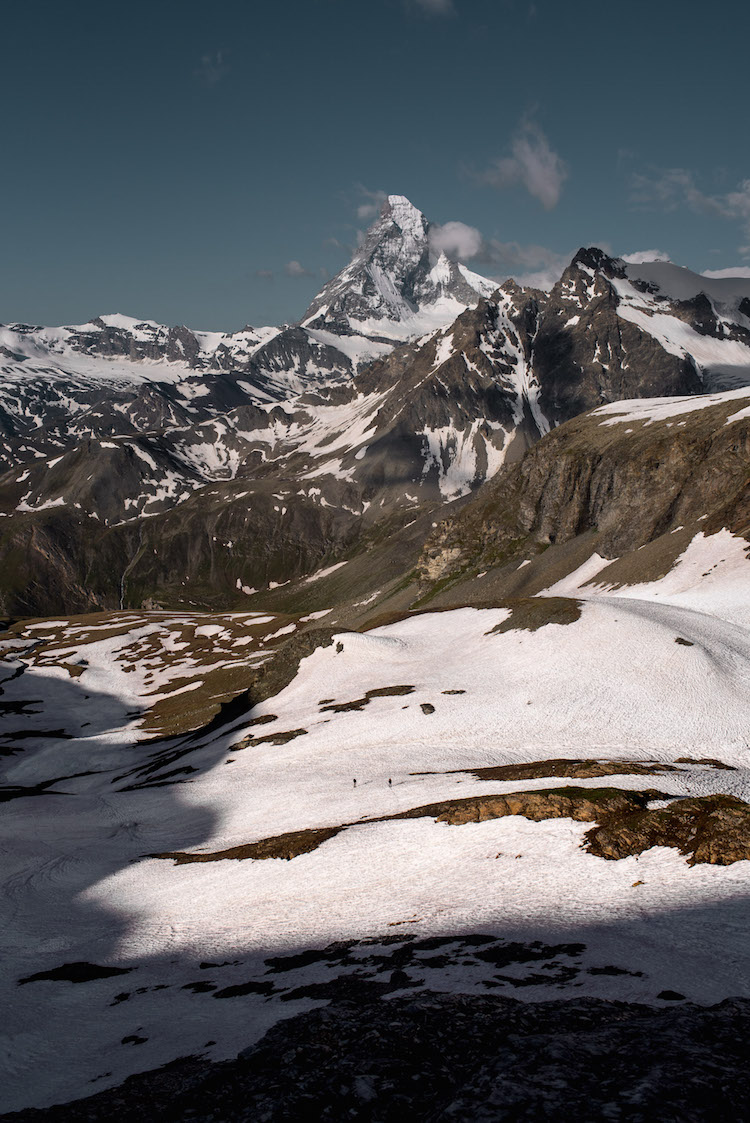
139	897
706	318
674	282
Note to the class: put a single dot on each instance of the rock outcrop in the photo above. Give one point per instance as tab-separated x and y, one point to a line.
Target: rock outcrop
625	480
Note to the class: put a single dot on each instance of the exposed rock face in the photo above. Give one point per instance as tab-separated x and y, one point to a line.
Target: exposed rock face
459	404
439	1056
585	354
632	490
584	805
628	481
713	829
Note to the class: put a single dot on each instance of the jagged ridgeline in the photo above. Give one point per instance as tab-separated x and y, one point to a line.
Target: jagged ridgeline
146	466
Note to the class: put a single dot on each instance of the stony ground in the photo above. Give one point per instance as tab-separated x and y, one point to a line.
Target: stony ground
455	1057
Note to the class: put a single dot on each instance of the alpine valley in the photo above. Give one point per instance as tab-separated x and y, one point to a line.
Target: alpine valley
270	598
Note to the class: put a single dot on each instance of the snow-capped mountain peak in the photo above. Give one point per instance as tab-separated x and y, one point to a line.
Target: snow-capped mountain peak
406	216
394	288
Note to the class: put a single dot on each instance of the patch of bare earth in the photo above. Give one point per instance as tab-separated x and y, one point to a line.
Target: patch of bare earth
708	761
574	769
528	614
360	703
282	738
287	846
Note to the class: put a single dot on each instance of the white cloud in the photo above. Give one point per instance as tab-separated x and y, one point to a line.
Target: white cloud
670	188
456	239
264	274
212	68
737	271
644	255
533	164
531	265
294	269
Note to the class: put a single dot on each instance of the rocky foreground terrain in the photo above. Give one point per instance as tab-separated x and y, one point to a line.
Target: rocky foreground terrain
374	699
437	1056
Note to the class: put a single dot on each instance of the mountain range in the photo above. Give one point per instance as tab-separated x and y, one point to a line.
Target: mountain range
153	465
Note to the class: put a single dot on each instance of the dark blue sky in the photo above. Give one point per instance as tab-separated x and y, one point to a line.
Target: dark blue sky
208	163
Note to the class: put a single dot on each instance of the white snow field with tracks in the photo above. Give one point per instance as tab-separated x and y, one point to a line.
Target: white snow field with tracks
211	953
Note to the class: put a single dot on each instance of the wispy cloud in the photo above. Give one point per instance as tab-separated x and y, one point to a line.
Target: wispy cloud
294	269
532	163
436	7
371	202
671	188
532	265
212	68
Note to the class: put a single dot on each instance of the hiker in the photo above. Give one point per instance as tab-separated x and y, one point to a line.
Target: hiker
390	782
354	782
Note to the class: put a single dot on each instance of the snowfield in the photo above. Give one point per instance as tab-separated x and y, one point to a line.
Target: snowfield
645	674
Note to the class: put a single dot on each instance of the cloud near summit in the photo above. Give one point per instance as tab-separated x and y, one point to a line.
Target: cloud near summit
456	239
641	256
532	265
533	164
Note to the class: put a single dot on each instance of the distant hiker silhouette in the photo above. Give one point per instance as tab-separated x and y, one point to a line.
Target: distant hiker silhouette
390	782
354	782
